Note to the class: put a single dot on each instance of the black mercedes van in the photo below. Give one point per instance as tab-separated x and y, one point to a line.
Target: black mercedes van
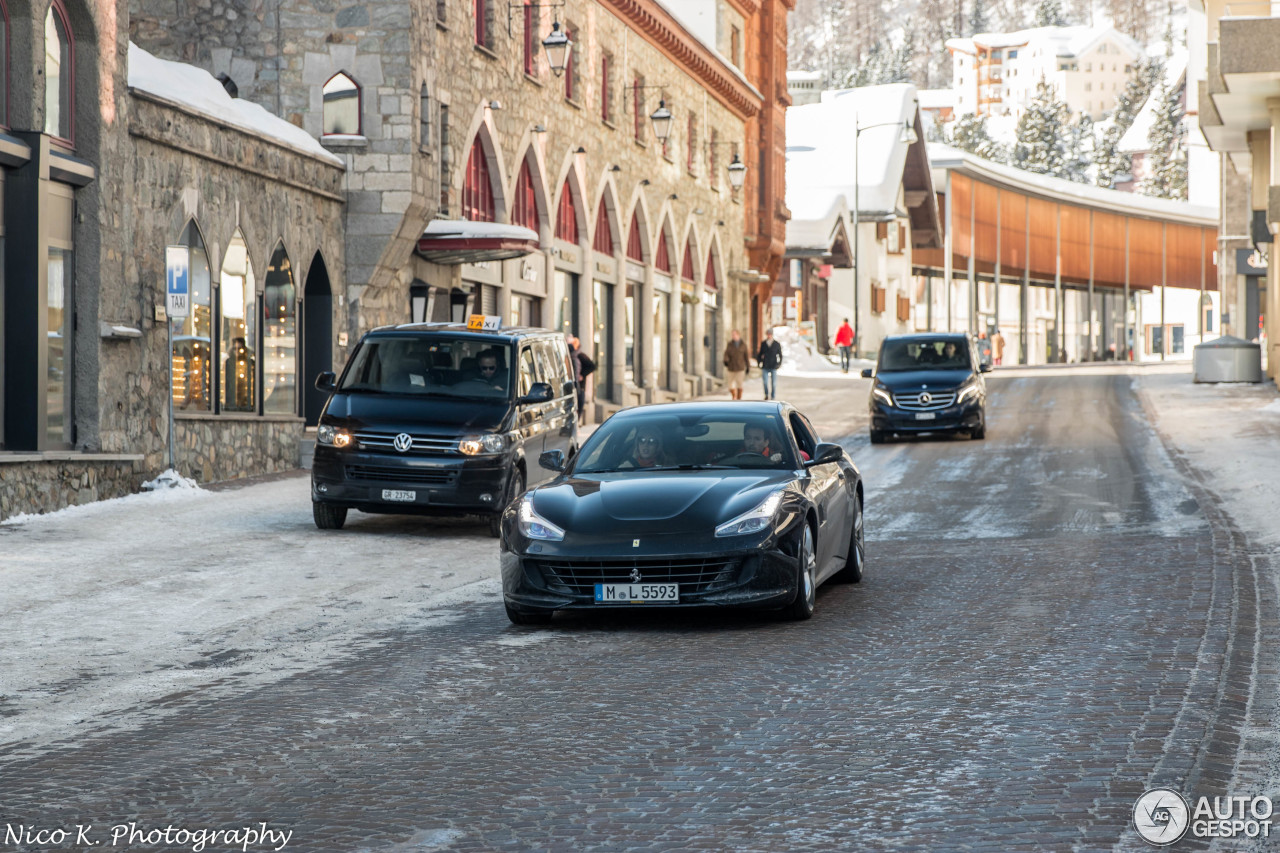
437	419
928	383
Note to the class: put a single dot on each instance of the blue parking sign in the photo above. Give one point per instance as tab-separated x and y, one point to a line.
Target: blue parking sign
177	267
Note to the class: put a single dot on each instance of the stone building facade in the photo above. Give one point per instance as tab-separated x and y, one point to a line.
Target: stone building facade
460	89
101	168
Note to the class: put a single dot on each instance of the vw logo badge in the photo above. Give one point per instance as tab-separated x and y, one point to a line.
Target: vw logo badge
635	576
403	442
926	398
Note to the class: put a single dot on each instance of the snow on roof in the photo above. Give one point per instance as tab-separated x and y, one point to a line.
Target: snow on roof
820	157
1135	138
197	91
937	99
1063	41
803	76
465	229
943	157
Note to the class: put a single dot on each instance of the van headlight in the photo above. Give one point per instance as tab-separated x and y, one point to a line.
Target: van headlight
332	436
535	526
882	394
474	445
754	520
966	392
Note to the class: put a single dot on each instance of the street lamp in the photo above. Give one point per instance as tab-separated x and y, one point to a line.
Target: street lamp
737	173
661	122
907	136
556	44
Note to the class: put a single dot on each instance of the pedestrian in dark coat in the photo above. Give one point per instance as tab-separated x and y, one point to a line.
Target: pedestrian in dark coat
769	357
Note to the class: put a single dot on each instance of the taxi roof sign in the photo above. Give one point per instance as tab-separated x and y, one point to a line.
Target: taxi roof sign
484	322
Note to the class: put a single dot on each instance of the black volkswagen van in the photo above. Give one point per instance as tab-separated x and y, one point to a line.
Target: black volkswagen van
437	419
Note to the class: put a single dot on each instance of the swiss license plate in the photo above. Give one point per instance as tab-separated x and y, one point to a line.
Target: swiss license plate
399	496
926	416
637	593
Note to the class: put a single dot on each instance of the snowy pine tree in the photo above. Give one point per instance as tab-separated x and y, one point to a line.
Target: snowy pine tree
969	133
1049	14
1111	163
1040	144
1166	164
1079	150
978	17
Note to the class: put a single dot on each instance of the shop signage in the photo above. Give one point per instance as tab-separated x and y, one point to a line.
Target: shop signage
177	269
635	272
529	271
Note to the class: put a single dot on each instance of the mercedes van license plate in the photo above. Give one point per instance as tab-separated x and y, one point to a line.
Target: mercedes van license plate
399	496
926	416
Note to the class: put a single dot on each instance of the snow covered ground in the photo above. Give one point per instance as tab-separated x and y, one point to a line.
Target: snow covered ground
117	604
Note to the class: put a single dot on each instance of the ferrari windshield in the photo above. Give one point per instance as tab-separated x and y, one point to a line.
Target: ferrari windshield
924	354
434	365
656	441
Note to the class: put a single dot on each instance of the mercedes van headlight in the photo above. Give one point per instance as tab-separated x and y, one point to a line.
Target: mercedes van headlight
967	391
882	394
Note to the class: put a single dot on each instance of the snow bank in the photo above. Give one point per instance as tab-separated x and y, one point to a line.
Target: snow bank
798	356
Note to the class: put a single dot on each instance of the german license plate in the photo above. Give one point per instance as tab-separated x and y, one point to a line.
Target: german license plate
637	593
926	416
399	496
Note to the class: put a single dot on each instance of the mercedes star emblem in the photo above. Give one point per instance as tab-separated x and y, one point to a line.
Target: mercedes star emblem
403	442
926	398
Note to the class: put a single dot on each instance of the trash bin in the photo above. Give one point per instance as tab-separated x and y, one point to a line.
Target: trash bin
1227	359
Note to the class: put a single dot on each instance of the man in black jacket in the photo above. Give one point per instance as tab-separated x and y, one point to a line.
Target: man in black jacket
583	367
769	358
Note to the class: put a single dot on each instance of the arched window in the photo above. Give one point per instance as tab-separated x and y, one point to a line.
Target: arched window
524	207
602	241
341	105
477	190
663	260
635	247
193	335
567	216
709	280
279	336
59	73
686	265
238	335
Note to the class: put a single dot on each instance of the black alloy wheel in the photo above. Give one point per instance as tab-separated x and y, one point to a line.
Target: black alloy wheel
328	516
980	433
857	556
515	487
806	578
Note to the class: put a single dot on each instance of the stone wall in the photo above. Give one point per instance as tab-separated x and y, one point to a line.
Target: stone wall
216	448
44	485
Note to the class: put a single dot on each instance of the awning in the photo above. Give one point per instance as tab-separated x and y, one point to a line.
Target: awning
460	241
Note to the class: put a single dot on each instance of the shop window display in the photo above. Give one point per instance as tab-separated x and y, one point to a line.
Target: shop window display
237	339
193	334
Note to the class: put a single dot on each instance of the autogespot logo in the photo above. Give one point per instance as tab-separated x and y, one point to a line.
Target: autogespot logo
1161	816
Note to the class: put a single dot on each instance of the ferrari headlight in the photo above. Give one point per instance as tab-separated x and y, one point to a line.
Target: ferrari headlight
882	394
966	392
326	434
488	443
755	520
535	526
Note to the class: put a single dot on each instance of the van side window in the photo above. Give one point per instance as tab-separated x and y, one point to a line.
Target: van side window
527	372
545	357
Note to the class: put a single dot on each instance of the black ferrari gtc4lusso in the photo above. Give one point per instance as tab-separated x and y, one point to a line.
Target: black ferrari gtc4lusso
684	505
